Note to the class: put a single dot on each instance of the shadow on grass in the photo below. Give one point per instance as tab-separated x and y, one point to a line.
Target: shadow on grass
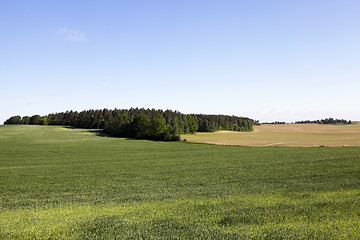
101	133
68	127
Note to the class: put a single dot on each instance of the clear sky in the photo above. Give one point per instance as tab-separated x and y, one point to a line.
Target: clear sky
267	60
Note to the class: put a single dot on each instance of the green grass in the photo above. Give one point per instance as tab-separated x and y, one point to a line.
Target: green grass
62	183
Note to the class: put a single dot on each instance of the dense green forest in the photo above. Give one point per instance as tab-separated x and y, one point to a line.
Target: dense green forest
139	122
327	121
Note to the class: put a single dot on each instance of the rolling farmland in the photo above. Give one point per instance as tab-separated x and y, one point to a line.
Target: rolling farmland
65	183
290	135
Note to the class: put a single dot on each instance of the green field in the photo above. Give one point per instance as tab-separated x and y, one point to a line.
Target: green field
63	183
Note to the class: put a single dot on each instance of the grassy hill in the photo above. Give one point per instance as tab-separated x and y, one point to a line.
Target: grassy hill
65	183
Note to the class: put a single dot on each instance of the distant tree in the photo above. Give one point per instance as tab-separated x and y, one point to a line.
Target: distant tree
170	135
139	126
25	120
13	120
193	125
207	126
174	125
43	121
35	120
276	122
156	127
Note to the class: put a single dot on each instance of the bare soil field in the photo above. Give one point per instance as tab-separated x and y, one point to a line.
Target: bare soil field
290	135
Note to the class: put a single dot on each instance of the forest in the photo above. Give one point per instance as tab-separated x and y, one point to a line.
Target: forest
327	121
140	123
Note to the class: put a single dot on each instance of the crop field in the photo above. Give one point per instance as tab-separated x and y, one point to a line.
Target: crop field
290	135
63	183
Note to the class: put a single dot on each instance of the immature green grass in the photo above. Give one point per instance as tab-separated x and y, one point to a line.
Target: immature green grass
64	183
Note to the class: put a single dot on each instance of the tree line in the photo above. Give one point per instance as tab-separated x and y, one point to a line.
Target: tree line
327	121
276	122
140	123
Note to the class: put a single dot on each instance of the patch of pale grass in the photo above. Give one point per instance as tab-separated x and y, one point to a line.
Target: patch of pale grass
290	135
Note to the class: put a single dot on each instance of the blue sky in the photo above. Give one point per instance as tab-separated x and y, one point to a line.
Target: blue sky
267	60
